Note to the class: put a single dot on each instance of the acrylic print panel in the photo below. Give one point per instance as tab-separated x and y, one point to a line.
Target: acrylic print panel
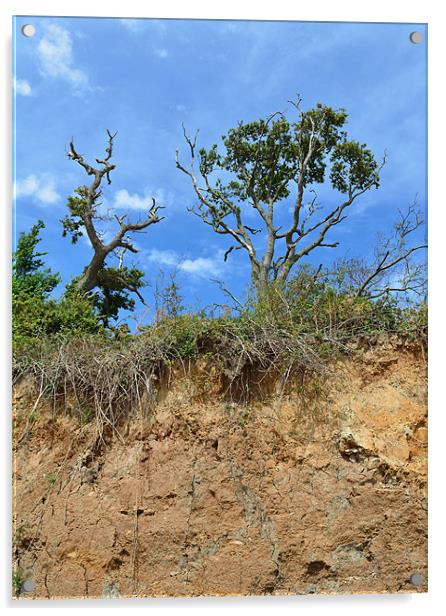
219	308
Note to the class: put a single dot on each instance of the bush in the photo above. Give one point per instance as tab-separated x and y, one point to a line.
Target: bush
34	313
318	305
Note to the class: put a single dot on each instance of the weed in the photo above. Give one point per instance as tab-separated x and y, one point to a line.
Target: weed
18	578
86	415
51	478
242	417
18	535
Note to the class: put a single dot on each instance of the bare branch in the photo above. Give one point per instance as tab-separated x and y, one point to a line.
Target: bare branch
383	266
210	213
88	216
392	251
228	252
121	258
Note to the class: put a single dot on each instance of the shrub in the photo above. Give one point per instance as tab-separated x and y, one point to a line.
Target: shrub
34	313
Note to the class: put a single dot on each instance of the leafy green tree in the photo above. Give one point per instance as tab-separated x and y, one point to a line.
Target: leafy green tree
27	266
272	161
34	313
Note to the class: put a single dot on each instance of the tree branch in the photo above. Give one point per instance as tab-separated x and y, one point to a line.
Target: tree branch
87	213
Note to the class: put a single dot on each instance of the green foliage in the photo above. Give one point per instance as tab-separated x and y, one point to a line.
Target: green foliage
35	313
18	534
171	298
34	317
266	155
72	314
318	304
267	148
18	578
181	335
28	275
86	415
51	478
73	224
115	286
243	416
281	335
353	167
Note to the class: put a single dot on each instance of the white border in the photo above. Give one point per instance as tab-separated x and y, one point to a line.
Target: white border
427	11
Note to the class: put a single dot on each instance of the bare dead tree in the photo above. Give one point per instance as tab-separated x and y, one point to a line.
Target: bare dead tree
84	215
267	158
393	269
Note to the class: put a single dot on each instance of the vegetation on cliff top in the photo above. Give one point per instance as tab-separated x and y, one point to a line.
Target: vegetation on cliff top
295	316
106	372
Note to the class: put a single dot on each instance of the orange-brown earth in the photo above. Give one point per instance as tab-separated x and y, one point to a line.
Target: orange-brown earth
319	490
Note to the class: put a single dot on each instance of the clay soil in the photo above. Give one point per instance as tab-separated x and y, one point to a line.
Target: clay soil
318	489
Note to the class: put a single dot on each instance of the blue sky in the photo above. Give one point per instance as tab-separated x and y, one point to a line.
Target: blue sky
144	78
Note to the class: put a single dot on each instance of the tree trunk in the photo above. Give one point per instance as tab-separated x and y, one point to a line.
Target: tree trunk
88	280
260	281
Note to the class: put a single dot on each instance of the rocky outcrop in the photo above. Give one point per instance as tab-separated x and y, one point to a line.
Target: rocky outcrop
319	490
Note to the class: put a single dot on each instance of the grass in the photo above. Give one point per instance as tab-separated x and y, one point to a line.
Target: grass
18	578
51	478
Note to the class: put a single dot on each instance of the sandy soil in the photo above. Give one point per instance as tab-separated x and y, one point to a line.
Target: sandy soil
321	490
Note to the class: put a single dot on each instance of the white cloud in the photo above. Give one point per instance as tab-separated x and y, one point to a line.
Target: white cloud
136	26
132	201
123	199
163	257
21	86
55	53
40	188
47	192
202	266
26	187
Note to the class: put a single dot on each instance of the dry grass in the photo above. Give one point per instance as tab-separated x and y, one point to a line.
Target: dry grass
106	380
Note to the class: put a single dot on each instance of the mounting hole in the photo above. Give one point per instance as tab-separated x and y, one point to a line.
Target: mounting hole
416	579
416	37
28	586
28	30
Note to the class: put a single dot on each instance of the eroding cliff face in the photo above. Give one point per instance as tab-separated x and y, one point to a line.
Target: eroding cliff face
321	490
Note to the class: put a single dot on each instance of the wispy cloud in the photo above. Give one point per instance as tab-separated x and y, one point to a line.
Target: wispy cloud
163	257
157	28
21	86
41	188
133	25
161	52
139	25
55	54
179	107
104	234
202	267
